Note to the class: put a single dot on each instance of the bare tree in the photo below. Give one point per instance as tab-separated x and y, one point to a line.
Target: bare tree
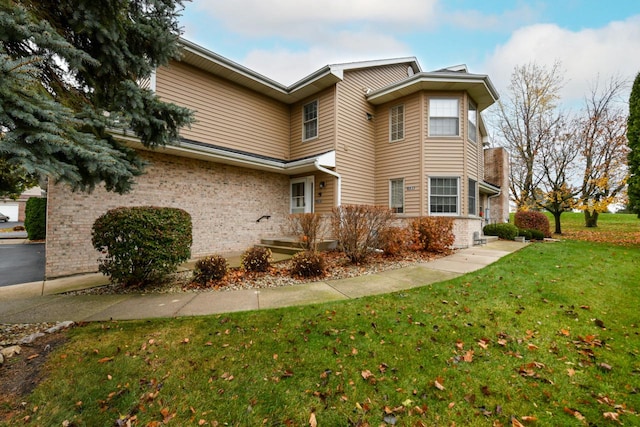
557	164
603	149
527	122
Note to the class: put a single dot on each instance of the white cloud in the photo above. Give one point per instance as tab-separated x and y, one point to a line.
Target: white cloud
586	55
309	20
505	21
288	66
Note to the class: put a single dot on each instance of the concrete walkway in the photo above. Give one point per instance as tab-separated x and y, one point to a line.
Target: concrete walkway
42	302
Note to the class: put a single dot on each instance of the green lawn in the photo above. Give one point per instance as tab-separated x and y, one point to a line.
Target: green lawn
548	336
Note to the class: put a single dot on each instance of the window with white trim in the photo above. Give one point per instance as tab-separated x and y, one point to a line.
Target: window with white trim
310	121
396	195
472	121
396	123
443	197
444	117
473	185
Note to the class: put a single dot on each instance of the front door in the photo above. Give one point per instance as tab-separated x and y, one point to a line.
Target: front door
302	195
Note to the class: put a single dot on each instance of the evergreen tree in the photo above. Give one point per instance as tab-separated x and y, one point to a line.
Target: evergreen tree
633	138
69	75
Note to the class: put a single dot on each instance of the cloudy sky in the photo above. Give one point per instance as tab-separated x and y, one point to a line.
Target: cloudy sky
286	40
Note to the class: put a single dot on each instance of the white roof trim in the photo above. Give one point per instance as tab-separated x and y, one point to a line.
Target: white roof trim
218	155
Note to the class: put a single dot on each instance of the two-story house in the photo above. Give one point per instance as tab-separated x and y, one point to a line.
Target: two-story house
376	132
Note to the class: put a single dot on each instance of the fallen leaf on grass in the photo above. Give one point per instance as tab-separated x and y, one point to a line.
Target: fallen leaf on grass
366	374
105	360
312	420
611	416
468	356
438	385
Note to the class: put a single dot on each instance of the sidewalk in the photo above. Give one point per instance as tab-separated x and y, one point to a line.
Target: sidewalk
41	302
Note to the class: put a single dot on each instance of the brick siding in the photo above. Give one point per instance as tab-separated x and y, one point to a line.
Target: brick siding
224	202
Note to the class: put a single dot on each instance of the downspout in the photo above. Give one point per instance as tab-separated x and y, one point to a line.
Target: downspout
332	173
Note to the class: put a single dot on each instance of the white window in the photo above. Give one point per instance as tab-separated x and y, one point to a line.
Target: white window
473	121
396	195
443	198
472	197
396	123
310	121
444	117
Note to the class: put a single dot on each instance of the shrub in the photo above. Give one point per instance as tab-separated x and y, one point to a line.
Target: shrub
502	230
533	220
257	258
433	233
307	264
358	227
536	234
210	268
395	241
309	227
526	233
35	218
141	244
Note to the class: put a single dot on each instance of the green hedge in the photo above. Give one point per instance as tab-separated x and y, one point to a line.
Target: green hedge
503	230
142	244
35	218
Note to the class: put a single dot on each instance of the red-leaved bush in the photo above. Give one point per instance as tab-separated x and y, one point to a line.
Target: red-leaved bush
395	241
433	233
533	220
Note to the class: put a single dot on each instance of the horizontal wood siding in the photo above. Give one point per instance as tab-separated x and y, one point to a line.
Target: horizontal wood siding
355	149
326	126
226	114
400	159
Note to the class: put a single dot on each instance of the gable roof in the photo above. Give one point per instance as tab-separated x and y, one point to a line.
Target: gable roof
323	78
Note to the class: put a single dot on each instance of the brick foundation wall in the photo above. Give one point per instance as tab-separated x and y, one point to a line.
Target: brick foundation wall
224	203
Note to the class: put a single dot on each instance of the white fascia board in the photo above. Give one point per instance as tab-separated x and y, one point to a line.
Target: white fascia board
213	154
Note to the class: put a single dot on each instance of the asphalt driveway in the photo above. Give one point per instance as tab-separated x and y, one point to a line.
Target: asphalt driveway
21	263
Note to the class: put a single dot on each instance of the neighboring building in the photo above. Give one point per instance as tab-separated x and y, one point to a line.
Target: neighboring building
14	209
376	132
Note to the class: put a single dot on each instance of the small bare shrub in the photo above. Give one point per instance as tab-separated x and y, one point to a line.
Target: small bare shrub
358	228
210	268
307	264
309	227
433	233
395	241
256	258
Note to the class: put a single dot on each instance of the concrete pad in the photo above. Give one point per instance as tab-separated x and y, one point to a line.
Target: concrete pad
457	266
389	281
466	258
220	302
144	306
60	308
482	252
308	293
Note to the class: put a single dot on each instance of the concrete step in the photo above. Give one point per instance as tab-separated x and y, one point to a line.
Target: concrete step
292	245
289	250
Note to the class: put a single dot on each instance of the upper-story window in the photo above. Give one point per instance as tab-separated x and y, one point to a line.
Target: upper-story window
396	195
444	117
396	123
310	120
473	121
